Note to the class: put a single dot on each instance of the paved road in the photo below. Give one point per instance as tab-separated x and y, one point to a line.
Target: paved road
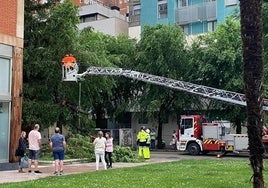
75	167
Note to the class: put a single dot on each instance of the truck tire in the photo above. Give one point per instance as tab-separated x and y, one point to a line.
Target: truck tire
193	149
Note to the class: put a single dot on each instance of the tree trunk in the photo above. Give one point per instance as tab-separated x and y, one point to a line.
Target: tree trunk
251	32
159	132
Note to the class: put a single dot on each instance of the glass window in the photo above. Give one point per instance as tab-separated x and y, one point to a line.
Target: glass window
187	123
212	26
185	29
4	131
183	3
5	75
143	119
162	9
136	10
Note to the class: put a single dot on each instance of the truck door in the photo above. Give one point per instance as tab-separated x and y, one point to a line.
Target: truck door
186	128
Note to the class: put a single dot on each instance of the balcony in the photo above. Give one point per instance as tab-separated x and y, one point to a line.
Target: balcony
196	13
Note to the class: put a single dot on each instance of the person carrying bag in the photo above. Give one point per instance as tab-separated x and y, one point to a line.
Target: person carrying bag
21	152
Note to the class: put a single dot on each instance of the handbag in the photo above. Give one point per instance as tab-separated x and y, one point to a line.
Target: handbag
17	152
24	161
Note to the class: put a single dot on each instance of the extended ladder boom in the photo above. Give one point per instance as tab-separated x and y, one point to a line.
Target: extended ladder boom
209	92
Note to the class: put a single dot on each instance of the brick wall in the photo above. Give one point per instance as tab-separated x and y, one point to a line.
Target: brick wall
8	19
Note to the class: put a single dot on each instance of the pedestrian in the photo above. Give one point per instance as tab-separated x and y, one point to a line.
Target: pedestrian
99	148
174	139
153	137
34	139
109	149
58	146
21	150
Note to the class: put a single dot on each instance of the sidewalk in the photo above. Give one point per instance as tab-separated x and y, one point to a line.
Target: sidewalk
47	169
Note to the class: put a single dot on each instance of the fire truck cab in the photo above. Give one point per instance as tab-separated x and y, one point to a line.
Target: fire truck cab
195	135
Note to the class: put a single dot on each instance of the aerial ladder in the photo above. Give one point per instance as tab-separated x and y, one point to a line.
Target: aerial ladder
70	73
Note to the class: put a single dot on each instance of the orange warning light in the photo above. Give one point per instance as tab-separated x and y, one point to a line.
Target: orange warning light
69	61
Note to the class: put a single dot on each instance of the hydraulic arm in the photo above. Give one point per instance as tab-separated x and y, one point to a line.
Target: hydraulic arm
71	74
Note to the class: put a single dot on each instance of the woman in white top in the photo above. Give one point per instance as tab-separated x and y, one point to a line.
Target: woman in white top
99	148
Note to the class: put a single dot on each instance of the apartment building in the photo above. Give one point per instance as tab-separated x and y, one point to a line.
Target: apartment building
134	30
11	61
194	16
103	19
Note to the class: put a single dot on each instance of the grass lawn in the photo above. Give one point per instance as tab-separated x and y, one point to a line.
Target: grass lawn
180	174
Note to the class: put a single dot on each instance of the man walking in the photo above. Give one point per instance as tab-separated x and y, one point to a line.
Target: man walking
58	145
34	140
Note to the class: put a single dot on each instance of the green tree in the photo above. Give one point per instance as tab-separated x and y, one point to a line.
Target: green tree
50	33
110	95
162	51
217	61
251	32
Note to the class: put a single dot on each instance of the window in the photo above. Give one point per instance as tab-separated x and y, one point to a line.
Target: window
4	130
183	3
143	119
136	10
185	29
162	9
212	26
186	124
230	2
5	75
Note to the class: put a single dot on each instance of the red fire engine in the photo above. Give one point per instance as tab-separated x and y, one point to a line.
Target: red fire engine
197	136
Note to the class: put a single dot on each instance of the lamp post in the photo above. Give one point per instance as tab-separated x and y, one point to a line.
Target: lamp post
79	104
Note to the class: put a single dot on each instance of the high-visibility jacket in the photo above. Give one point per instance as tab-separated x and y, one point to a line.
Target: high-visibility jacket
142	137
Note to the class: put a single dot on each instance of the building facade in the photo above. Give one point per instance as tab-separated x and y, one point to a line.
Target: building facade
194	16
11	61
103	19
134	29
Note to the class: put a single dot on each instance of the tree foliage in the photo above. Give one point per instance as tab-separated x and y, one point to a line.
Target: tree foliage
50	32
162	51
217	59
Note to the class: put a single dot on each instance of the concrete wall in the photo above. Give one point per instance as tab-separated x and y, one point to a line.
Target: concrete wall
135	32
110	26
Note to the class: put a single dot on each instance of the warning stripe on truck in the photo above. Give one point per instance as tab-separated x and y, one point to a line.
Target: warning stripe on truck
211	141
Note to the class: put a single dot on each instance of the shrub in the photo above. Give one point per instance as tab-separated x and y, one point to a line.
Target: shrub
125	154
81	147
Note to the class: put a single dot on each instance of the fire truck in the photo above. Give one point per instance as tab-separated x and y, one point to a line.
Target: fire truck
195	134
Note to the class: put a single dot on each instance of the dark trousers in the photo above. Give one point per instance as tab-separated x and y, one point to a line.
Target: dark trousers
153	144
108	158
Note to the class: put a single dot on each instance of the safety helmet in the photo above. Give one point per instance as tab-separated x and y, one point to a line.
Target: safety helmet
148	131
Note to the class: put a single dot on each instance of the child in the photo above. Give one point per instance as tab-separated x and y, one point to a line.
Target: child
109	149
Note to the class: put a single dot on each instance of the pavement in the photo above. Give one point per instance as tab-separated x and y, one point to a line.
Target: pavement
76	167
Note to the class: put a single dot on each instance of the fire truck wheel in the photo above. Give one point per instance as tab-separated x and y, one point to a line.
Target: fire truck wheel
193	149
